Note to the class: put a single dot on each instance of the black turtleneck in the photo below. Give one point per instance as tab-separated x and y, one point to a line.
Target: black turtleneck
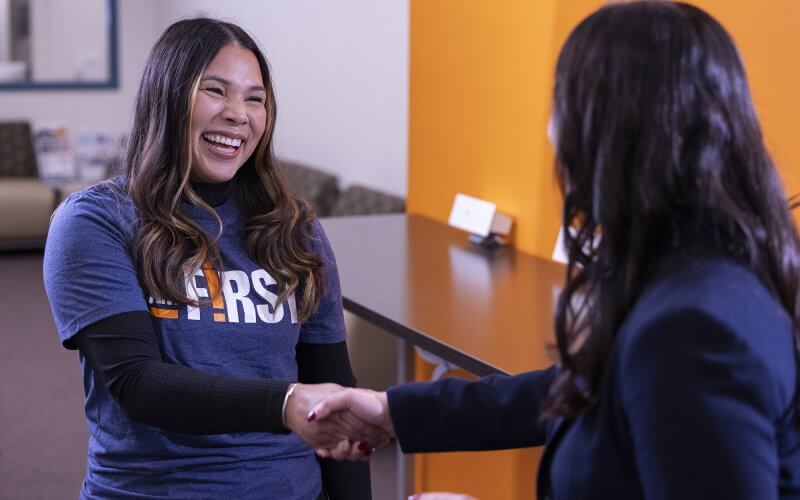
215	194
124	354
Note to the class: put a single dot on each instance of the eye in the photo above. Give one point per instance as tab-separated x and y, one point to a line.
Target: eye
256	99
214	90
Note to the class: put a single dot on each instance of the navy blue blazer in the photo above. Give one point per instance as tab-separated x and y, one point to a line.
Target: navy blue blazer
698	401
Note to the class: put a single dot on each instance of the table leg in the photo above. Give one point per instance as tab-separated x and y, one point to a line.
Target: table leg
404	463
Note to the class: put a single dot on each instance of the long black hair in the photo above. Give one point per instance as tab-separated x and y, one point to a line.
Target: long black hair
168	244
658	150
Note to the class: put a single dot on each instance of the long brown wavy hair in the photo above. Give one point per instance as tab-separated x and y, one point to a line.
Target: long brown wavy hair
658	149
168	246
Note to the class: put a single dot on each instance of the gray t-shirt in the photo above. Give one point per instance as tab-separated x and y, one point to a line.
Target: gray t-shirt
89	275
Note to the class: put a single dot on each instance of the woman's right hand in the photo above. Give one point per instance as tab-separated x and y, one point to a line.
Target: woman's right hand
326	434
362	414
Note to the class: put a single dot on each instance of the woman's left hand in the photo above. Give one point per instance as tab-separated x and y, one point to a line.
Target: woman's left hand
347	450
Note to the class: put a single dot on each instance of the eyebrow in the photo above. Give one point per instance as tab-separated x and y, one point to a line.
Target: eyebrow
227	82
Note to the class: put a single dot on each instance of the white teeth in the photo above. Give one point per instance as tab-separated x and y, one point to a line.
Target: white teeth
223	140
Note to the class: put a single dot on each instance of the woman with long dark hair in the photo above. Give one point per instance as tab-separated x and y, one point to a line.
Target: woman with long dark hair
677	331
199	291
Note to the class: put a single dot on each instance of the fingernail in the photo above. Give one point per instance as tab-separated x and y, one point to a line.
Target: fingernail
362	446
312	416
368	452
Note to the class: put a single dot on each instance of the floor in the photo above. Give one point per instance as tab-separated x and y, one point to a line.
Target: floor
42	431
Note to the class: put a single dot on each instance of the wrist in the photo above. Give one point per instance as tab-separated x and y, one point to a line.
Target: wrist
286	398
388	425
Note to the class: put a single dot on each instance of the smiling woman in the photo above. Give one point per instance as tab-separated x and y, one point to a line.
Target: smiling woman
202	294
228	114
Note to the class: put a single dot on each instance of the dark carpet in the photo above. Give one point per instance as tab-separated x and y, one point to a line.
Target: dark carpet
42	430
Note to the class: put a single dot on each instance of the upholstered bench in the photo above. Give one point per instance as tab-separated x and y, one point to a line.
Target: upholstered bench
25	202
361	200
25	208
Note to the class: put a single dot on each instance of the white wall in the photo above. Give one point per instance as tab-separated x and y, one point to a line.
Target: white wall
5	30
341	78
340	70
92	110
79	26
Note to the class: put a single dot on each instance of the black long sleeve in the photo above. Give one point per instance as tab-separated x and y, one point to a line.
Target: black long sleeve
318	363
124	353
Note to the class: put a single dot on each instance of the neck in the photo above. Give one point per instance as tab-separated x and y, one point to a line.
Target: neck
215	194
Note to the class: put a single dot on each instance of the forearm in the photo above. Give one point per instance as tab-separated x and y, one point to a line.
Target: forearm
454	414
123	351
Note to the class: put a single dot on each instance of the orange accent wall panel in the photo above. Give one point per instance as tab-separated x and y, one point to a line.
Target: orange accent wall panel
767	36
480	86
481	79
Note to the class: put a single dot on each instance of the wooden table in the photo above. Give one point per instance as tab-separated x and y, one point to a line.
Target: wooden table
484	311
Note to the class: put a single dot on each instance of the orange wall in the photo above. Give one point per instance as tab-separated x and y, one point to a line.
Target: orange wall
768	36
480	86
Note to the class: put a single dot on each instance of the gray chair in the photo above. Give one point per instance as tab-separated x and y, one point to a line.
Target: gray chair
360	200
319	188
25	202
17	158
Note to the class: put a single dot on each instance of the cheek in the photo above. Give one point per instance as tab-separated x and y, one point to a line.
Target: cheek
204	111
258	122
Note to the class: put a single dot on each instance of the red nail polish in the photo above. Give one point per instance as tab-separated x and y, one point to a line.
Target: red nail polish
368	452
362	446
312	416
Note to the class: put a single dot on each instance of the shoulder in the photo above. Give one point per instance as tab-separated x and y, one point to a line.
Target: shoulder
315	230
101	206
100	216
106	195
712	312
318	241
717	290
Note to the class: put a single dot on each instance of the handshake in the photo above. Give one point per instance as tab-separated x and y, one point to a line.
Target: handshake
339	422
345	424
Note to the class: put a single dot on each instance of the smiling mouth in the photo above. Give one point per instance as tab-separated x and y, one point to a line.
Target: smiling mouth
223	144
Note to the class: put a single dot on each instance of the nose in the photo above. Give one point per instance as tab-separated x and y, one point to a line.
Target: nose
234	112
